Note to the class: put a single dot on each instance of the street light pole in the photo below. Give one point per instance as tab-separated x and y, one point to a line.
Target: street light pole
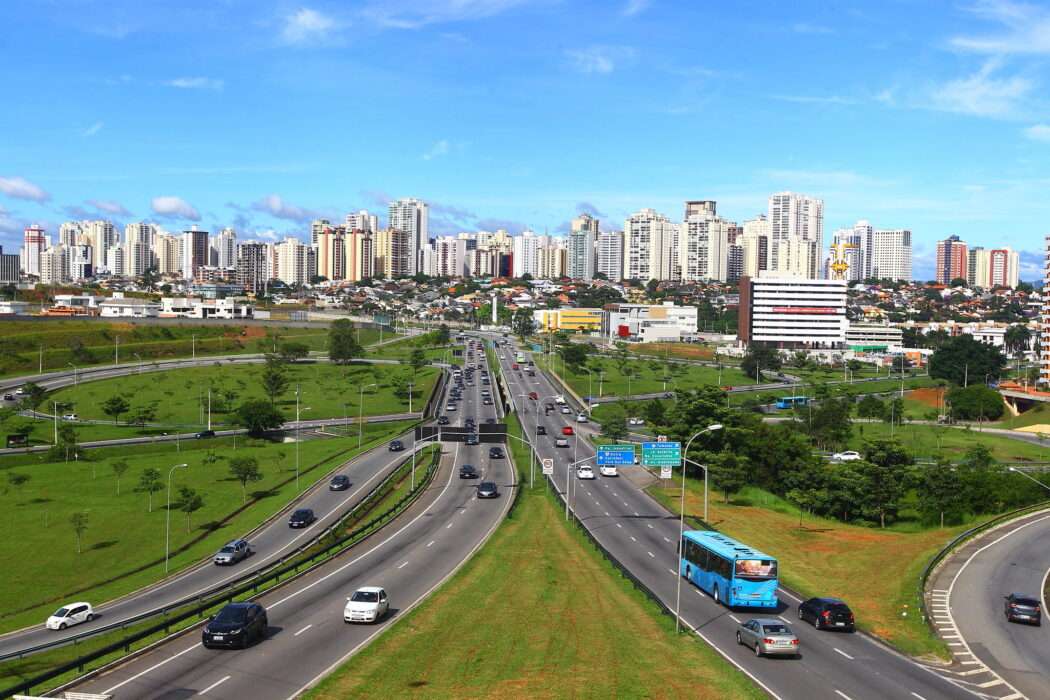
361	412
681	527
167	516
75	379
1029	477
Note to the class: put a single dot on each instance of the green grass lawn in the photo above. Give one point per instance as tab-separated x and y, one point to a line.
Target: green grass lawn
123	546
808	389
875	571
930	442
648	376
180	396
538	573
1039	414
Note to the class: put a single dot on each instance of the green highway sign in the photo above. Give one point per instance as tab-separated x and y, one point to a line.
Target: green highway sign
662	454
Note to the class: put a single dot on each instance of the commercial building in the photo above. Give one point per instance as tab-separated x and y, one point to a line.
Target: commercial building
951	260
568	319
119	307
870	337
792	312
191	307
648	323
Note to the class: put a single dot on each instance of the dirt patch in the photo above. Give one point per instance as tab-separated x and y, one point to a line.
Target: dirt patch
249	332
1039	428
929	396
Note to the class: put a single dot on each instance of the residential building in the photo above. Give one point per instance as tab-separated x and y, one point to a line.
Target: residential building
226	248
393	253
9	267
550	259
579	263
254	269
650	246
735	263
138	248
317	226
977	266
194	252
525	254
865	232
54	265
793	215
700	207
101	236
360	254
34	242
703	247
648	323
1044	334
115	260
295	261
166	249
754	244
891	254
411	216
69	233
80	266
793	257
792	312
609	255
330	251
852	244
362	221
450	257
1003	268
951	260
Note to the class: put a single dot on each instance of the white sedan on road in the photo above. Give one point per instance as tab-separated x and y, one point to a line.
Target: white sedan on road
69	615
368	604
584	472
847	456
608	470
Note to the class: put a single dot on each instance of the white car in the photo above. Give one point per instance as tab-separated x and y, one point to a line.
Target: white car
559	399
561	442
368	604
584	472
69	615
608	470
581	418
565	409
69	416
635	421
450	407
848	456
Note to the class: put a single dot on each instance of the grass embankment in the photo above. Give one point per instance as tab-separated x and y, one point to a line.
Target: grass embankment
180	397
1039	414
926	441
649	376
875	571
93	342
537	613
123	544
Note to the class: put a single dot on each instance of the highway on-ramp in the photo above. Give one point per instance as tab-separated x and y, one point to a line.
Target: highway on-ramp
643	536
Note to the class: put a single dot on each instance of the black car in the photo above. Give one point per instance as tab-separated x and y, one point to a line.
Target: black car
495	453
472	439
301	518
339	482
205	434
490	421
541	430
827	613
396	446
467	471
1023	608
488	489
236	625
443	420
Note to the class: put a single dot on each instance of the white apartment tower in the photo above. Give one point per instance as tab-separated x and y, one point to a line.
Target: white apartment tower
411	216
101	236
362	221
609	255
792	214
525	252
853	256
891	254
579	263
703	247
293	258
754	244
226	248
450	257
34	243
650	246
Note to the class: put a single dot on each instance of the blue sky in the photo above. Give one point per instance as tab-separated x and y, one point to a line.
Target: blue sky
910	113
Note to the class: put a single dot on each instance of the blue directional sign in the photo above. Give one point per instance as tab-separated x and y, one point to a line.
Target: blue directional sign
662	454
615	455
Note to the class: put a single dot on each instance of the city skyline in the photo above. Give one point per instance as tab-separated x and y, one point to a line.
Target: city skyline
299	116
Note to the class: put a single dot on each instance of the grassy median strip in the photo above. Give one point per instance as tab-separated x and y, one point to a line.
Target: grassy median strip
875	571
536	613
122	547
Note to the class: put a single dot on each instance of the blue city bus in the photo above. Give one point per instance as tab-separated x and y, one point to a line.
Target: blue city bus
731	572
791	401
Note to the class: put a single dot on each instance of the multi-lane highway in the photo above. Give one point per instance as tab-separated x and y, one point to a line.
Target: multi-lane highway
642	535
307	637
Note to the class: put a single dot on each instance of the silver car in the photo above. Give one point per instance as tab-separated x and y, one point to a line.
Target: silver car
768	637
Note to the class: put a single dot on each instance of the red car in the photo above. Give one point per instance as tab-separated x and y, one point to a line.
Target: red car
514	366
533	395
567	430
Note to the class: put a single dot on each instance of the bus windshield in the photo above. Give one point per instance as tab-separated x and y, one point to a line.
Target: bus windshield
756	568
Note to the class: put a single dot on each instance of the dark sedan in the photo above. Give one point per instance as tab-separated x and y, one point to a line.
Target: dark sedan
467	471
302	518
1023	608
472	439
488	489
443	420
495	453
237	625
827	613
339	482
396	446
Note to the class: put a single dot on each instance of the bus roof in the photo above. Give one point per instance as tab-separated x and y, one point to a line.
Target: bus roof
724	545
793	398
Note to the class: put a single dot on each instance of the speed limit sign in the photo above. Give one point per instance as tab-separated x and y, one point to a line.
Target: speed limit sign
548	466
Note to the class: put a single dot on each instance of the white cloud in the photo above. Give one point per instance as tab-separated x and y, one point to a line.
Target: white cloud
109	207
195	83
1038	132
307	25
274	205
634	7
93	129
439	149
599	59
983	94
174	208
20	188
414	14
1025	29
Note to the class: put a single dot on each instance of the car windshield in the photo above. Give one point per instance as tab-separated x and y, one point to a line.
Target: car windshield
301	514
365	597
231	615
775	629
228	549
1026	601
62	612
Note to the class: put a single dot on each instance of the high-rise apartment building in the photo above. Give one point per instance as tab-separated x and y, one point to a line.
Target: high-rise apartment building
360	254
115	260
800	216
609	255
891	254
580	252
550	259
853	243
393	249
166	253
650	246
254	268
9	265
330	251
525	254
138	248
793	257
101	236
700	207
226	248
194	252
54	265
703	247
1003	268
80	257
295	261
362	220
411	216
69	233
316	227
34	242
951	260
754	245
450	256
865	232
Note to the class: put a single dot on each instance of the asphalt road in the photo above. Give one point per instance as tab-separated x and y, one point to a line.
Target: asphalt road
410	557
1012	559
643	536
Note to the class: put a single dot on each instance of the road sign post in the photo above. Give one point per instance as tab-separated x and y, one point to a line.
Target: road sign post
666	472
662	454
615	455
548	466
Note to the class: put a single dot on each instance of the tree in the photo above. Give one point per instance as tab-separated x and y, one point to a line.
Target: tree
119	467
1017	339
443	335
258	417
614	426
245	469
342	342
574	354
655	412
418	360
800	359
79	522
189	503
293	352
976	402
522	323
940	493
150	482
115	406
871	407
729	473
828	423
144	414
33	394
274	378
758	358
964	357
885	472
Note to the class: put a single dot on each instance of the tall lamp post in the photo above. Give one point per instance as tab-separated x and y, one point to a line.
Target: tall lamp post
361	411
75	378
681	528
167	516
1029	477
297	440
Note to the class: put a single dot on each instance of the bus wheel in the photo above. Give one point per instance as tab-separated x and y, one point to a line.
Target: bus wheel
717	598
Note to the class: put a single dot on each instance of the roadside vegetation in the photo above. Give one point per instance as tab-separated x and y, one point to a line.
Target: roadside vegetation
538	572
228	488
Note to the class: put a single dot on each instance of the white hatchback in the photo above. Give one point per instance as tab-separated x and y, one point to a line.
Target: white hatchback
848	456
368	604
608	470
69	615
584	472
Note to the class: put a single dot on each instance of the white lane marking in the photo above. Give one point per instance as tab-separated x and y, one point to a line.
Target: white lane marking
302	630
783	618
214	685
843	653
650	525
734	619
698	592
607	514
666	540
840	693
150	669
918	696
430	543
448	526
597	503
727	657
619	525
403	565
670	571
633	539
651	554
